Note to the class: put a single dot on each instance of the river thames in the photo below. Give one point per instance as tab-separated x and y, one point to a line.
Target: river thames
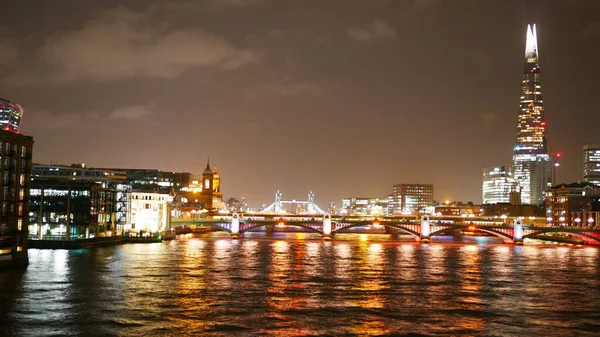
293	284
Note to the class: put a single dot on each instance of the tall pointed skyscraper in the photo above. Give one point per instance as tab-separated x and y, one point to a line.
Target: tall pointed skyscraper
531	162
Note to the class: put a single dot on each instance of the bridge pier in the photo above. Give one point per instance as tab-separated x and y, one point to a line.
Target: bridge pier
327	227
518	232
425	229
270	228
235	226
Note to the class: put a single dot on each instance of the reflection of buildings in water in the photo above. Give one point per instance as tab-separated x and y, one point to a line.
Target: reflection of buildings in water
284	290
371	328
370	270
471	286
191	283
343	254
313	257
249	261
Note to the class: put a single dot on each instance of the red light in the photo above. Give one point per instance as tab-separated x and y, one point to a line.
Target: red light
558	154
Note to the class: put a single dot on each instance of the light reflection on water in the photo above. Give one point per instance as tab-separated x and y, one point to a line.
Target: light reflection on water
287	284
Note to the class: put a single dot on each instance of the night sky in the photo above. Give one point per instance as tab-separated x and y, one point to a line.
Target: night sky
344	98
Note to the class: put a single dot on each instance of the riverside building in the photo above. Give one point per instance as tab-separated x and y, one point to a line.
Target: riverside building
15	178
150	211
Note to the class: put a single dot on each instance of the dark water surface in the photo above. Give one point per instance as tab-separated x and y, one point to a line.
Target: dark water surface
301	286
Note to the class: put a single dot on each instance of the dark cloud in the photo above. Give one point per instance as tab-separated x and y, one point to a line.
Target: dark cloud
377	30
121	44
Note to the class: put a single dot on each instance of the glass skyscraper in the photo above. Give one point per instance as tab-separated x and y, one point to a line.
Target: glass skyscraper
10	116
498	184
591	164
531	162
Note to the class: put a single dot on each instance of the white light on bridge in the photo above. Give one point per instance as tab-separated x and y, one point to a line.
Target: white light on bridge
590	220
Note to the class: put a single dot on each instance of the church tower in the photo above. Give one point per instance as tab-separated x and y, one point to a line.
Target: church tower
217	194
207	181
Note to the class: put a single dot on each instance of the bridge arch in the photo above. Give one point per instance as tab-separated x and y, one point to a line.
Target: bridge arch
219	226
587	238
505	237
368	223
250	226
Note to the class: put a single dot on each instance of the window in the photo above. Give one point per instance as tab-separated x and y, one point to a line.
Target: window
23	151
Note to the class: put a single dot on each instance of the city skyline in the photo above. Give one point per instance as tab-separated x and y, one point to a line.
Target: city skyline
384	76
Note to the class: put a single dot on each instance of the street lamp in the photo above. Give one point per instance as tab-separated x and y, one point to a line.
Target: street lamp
577	220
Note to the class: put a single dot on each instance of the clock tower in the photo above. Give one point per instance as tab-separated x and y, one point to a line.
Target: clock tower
207	181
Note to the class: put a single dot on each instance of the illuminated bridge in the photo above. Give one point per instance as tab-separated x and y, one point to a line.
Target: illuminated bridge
281	206
422	229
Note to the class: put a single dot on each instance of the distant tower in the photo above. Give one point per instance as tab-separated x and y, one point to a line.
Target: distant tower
311	203
207	180
278	198
10	116
217	194
531	162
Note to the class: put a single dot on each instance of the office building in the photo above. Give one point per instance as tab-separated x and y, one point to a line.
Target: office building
411	198
15	178
150	211
591	164
532	168
65	209
364	206
10	116
498	184
575	204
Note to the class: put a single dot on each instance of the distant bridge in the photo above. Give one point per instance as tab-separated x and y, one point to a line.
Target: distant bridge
306	207
421	229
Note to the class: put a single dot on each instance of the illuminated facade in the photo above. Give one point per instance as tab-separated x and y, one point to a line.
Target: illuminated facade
364	206
411	198
199	197
150	211
498	184
532	167
218	202
575	204
591	164
65	209
10	116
